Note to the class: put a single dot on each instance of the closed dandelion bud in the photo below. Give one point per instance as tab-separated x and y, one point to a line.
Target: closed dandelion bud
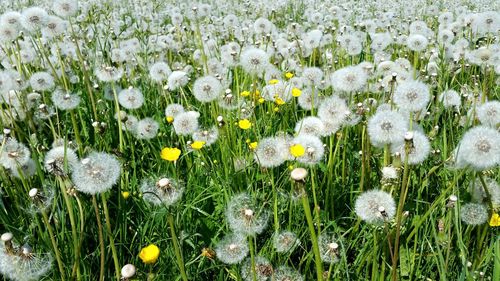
298	174
473	213
452	200
128	271
232	249
7	240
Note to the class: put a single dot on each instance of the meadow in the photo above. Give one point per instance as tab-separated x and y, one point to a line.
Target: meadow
249	140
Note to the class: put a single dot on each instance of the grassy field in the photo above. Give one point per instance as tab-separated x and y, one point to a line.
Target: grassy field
249	140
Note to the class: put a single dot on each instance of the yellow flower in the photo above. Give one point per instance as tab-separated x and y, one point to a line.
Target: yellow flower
297	150
125	194
245	93
244	124
253	145
276	109
149	254
288	75
256	94
170	153
197	145
495	220
296	92
279	101
261	100
273	81
170	119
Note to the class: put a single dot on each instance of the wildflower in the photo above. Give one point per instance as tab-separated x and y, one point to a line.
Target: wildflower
285	241
244	124
253	145
131	98
97	173
146	128
310	125
41	81
297	150
489	113
273	81
417	42
170	119
285	273
261	100
164	191
149	254
33	18
288	75
386	127
208	136
412	95
279	101
170	154
232	249
479	195
450	98
197	145
312	76
244	216
159	72
494	220
65	101
296	92
245	94
254	61
473	213
65	8
329	248
313	148
207	89
186	123
60	160
14	153
172	110
263	269
109	73
125	194
419	150
349	79
271	152
375	206
177	79
480	148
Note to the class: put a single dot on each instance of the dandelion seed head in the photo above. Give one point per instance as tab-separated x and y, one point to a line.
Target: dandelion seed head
368	204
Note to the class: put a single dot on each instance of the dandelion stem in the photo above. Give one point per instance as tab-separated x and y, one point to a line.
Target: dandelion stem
177	250
101	238
54	245
110	236
314	240
252	258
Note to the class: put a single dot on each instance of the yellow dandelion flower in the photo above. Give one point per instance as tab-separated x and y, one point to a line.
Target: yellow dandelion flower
170	119
149	254
253	145
256	94
197	145
495	220
288	75
261	100
245	124
245	94
125	194
296	92
273	81
276	109
297	150
170	153
279	101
